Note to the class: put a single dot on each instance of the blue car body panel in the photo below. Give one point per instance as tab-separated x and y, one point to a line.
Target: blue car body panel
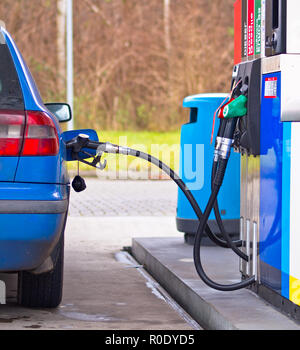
8	166
34	191
28	239
44	170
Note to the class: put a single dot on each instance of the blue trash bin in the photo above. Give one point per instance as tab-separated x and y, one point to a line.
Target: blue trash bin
195	169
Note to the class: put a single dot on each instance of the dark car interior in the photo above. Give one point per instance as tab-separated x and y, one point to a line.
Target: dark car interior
10	91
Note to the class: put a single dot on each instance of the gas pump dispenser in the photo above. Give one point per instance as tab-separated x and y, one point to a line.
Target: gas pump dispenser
268	138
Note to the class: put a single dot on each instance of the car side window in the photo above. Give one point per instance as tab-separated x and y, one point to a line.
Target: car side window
11	96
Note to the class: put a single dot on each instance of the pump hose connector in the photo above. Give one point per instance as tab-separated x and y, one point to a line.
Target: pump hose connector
217	148
225	148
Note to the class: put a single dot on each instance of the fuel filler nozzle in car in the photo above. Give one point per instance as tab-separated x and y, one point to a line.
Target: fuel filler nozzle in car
235	108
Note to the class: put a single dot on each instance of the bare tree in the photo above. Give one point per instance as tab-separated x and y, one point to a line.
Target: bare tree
134	60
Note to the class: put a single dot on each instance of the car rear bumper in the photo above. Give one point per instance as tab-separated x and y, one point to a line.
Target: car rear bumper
30	229
33	207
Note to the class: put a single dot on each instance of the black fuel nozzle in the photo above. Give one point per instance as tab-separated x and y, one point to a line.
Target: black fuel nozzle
244	90
223	152
82	143
231	113
78	143
230	128
218	141
226	142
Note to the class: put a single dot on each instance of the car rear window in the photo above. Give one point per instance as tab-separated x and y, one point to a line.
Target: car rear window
11	96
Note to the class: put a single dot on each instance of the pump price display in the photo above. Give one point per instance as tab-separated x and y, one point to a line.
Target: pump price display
250	27
271	87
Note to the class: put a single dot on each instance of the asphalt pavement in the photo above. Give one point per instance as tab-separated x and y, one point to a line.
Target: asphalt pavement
125	198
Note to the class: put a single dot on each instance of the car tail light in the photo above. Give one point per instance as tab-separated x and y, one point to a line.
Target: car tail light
40	138
11	132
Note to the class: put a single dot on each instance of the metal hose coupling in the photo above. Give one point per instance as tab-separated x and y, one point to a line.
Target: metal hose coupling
225	148
108	147
217	148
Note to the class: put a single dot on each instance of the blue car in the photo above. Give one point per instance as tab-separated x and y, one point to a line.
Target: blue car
34	183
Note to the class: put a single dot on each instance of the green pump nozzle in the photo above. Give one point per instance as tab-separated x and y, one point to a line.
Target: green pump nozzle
236	108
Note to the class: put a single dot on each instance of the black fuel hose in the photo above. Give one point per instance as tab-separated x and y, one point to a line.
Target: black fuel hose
81	142
183	187
231	244
217	183
228	243
110	148
203	217
197	246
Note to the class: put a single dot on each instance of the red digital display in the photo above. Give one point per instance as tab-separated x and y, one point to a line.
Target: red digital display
238	32
251	27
